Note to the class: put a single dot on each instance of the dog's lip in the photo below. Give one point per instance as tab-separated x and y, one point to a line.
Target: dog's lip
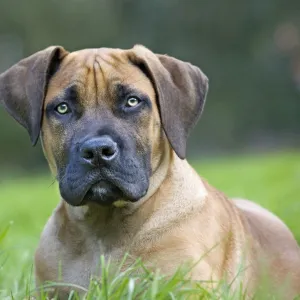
128	193
79	192
109	185
100	184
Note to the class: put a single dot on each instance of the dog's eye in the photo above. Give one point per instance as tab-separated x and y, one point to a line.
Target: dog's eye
62	108
132	101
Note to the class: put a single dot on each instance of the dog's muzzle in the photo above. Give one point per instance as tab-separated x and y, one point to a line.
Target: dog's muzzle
101	171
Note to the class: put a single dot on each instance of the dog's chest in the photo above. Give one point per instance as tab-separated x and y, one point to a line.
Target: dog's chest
83	264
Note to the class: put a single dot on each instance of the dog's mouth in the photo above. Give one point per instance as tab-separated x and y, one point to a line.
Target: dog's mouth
103	193
103	189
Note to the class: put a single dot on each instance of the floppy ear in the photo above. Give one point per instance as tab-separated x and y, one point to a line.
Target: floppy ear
181	90
23	88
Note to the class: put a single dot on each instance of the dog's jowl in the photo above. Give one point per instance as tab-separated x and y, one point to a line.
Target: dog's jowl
114	126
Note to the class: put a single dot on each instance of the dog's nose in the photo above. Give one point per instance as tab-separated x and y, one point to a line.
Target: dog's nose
97	150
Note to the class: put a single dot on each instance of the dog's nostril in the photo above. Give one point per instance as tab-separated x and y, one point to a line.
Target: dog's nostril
87	154
108	152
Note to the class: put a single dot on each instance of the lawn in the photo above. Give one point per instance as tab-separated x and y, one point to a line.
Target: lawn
269	179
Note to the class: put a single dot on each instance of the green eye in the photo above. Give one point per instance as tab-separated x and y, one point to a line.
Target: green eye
62	108
132	102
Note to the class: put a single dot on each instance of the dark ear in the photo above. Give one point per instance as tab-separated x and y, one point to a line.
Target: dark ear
23	88
181	89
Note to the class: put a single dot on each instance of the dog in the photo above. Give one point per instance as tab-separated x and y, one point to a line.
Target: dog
114	126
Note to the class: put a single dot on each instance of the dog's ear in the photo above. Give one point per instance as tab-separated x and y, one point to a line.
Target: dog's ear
23	88
181	90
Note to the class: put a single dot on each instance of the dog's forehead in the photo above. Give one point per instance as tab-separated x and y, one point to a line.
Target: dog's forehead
88	57
98	71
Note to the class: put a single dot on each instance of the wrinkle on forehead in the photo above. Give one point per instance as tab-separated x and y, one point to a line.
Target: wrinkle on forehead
96	73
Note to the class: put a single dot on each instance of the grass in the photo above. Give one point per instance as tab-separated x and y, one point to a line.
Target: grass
270	179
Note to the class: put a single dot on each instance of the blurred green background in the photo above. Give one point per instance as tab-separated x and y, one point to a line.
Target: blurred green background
247	140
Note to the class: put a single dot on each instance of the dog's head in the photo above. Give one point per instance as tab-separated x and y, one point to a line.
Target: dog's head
105	115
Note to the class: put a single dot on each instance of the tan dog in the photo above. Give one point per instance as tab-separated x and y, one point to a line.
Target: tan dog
114	125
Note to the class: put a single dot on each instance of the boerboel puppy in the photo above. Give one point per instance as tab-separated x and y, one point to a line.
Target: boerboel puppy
114	126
